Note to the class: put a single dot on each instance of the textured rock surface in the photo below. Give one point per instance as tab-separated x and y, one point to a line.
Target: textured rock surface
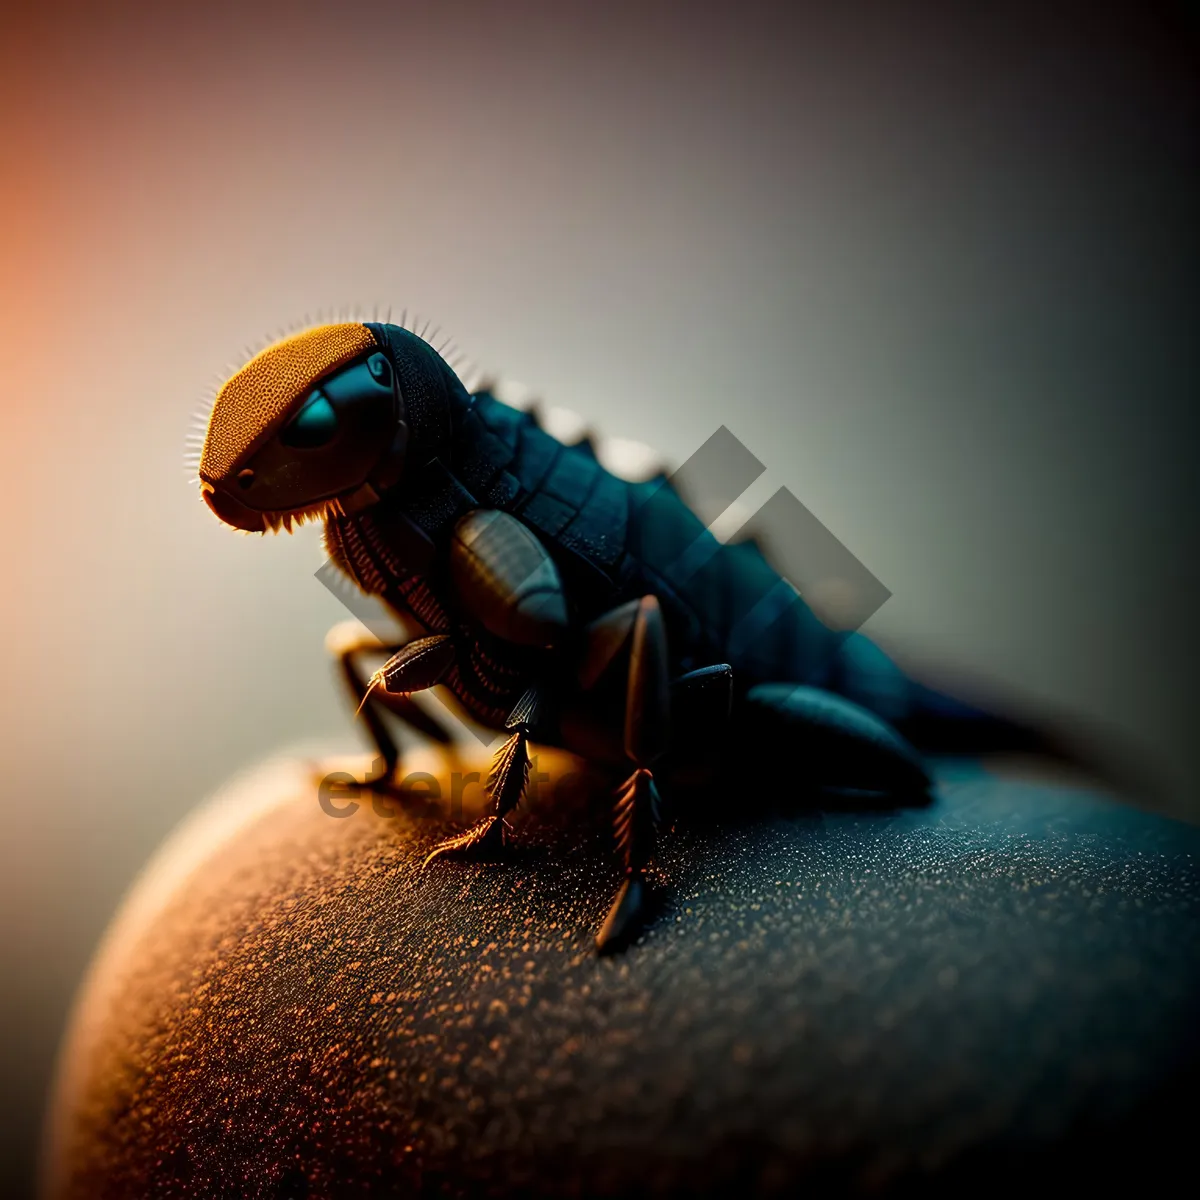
1002	984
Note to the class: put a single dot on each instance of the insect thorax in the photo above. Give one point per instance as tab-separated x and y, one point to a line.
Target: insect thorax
489	675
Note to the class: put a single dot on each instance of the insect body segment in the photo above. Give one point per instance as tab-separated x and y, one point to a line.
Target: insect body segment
556	600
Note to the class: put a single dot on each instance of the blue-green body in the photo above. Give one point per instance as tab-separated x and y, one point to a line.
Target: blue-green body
613	541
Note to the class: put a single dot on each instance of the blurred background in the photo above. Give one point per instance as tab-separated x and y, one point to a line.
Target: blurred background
935	267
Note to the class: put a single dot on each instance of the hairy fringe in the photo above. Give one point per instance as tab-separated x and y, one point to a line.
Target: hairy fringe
273	522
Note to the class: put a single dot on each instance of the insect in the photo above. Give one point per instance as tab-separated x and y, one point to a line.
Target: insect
554	599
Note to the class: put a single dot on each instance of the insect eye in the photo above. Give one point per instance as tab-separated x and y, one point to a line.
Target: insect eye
314	425
381	369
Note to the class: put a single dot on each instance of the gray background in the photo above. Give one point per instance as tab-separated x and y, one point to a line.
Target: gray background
936	270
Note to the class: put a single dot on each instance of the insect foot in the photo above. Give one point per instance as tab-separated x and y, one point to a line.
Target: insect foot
506	785
637	813
483	842
626	918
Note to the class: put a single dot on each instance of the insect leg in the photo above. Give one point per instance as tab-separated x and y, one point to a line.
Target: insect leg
506	786
647	734
350	645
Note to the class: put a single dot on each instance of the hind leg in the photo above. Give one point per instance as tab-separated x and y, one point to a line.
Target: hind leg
835	743
646	739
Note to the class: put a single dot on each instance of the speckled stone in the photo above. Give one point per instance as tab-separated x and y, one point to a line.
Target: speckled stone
1000	987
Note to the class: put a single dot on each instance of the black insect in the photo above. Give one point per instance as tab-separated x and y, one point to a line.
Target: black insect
556	600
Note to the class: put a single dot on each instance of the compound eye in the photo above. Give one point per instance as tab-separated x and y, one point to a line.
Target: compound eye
314	425
381	369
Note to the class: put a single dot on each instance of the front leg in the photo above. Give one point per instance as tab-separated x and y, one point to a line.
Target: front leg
350	643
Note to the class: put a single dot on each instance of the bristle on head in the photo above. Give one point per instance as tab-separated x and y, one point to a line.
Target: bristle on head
273	522
242	404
